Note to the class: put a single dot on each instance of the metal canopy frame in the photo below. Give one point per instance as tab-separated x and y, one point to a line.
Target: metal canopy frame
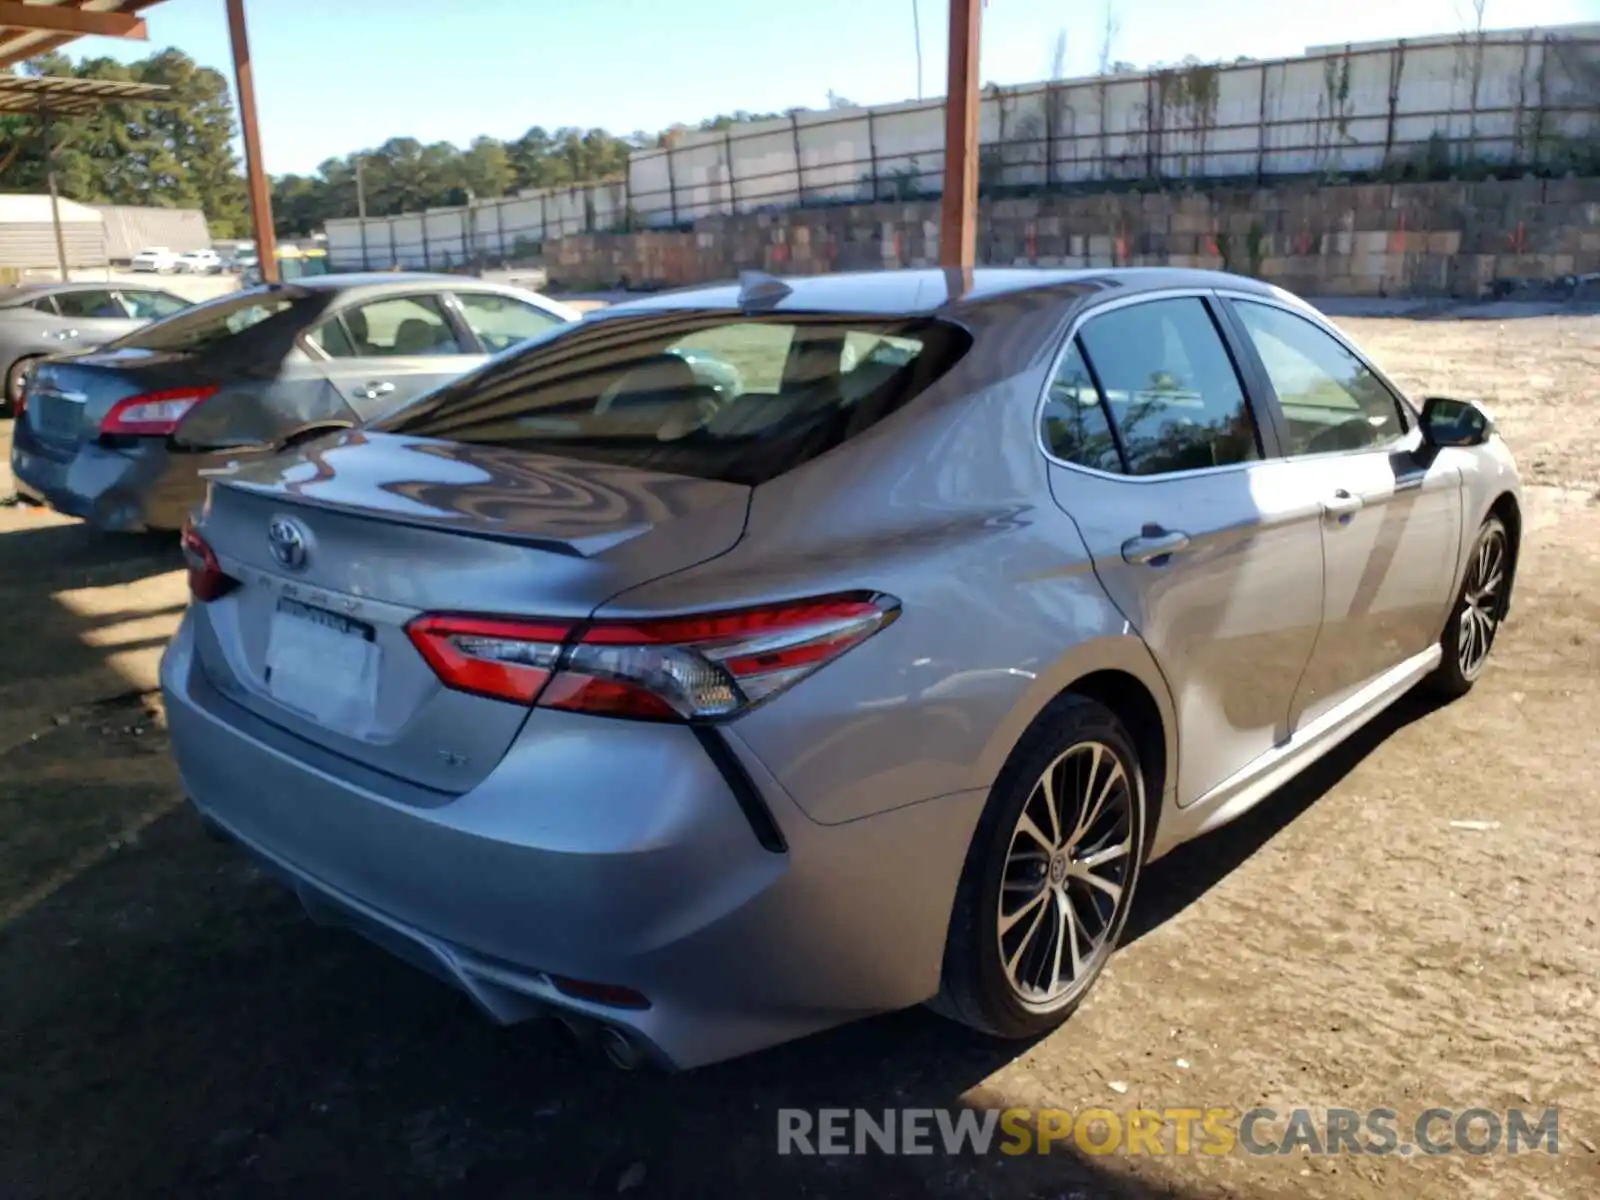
29	30
52	96
61	97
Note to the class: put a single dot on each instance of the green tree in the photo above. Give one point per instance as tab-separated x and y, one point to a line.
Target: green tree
486	168
174	153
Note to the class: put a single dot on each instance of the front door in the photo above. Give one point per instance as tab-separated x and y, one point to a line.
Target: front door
1210	548
1391	520
385	353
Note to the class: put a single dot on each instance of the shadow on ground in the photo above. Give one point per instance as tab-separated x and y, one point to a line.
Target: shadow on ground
175	1027
172	1026
1190	871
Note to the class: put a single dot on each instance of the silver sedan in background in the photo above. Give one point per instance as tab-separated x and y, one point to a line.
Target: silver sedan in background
708	719
120	436
55	318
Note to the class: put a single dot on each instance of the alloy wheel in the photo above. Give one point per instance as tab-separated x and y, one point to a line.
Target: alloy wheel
1482	599
1066	876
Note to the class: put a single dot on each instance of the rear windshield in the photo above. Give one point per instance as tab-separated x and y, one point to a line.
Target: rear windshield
209	324
720	395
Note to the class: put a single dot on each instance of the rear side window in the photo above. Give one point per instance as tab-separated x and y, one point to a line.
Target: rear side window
712	395
1076	428
1170	387
332	340
205	325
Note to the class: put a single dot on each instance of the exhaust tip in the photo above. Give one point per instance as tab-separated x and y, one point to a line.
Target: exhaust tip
621	1051
576	1030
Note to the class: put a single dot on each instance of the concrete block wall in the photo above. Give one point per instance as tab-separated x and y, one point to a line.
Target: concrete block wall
1410	239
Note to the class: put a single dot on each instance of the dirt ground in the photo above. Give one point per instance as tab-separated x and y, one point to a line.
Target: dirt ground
170	1025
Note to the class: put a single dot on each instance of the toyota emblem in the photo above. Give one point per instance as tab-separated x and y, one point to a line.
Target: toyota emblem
288	542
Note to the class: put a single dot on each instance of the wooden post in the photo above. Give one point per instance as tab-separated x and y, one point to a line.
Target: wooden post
255	173
55	197
958	226
872	156
361	214
1261	128
672	189
1049	136
799	167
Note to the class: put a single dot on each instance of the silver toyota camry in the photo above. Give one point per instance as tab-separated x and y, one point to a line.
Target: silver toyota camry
706	716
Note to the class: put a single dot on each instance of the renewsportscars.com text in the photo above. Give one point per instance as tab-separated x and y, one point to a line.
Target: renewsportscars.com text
1164	1131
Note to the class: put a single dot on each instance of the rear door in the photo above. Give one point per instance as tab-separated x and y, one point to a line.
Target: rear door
1391	523
384	353
1206	542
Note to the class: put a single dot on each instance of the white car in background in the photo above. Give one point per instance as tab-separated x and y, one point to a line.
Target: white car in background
199	262
155	258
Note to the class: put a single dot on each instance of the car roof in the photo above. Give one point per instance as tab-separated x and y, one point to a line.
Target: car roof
22	291
372	285
928	291
355	279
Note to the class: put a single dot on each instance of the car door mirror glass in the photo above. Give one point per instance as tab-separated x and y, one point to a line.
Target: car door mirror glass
1450	422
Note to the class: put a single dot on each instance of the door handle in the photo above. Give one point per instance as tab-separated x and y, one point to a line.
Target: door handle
62	335
1341	506
1154	546
373	390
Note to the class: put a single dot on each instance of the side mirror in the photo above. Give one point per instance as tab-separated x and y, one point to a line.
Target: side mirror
1447	422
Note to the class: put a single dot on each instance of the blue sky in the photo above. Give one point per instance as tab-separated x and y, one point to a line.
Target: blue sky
334	76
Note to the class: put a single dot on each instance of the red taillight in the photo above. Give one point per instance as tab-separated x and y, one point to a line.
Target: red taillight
664	669
612	994
206	578
505	659
154	414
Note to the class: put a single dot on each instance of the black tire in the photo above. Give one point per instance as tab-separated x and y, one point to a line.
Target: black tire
1464	660
975	988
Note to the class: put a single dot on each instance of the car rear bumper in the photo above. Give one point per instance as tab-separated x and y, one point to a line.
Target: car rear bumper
603	851
118	490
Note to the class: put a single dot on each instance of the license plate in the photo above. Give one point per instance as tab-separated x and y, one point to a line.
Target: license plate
54	417
323	665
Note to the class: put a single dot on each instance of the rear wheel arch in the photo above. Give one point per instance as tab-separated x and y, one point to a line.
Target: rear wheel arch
1120	673
1111	711
21	360
310	433
1136	708
1505	507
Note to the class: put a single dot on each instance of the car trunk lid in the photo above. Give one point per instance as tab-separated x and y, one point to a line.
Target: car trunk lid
338	550
68	398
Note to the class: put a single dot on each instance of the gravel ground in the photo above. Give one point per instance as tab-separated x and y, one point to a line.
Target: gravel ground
171	1026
